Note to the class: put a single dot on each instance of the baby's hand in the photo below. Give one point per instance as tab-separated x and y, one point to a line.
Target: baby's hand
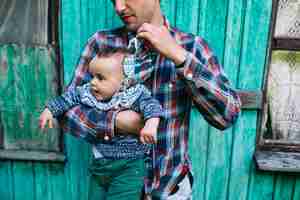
148	134
46	117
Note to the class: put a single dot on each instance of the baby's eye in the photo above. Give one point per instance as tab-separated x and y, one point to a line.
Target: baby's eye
99	77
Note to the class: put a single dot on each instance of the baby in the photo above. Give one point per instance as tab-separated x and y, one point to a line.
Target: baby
110	88
113	87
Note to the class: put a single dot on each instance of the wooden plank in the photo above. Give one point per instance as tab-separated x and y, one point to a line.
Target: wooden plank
3	87
57	181
278	161
96	21
284	187
76	169
6	180
296	194
70	44
112	20
32	155
187	15
24	22
8	87
282	142
41	181
240	160
253	58
198	140
202	18
1	131
286	44
85	12
278	147
23	181
29	79
250	99
169	10
264	185
233	48
218	156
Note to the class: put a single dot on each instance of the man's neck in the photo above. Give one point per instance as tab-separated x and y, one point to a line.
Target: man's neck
158	18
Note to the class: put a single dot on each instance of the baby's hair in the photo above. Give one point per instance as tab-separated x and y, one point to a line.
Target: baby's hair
108	51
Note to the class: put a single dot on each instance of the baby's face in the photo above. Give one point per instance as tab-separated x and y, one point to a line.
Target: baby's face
107	76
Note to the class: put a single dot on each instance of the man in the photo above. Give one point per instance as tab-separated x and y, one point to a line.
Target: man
185	72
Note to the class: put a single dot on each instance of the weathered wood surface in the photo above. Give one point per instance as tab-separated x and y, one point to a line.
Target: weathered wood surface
286	44
246	182
222	162
28	79
250	99
24	22
32	155
278	161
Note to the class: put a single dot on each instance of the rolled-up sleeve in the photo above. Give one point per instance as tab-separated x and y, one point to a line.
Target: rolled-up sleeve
59	105
149	107
210	88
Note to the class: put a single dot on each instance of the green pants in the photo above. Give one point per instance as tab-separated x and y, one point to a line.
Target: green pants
116	179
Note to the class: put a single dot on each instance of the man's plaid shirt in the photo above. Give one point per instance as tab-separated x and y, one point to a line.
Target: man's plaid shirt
200	81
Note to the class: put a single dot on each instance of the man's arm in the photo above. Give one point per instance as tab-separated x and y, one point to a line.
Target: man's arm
129	121
210	88
152	113
206	81
59	105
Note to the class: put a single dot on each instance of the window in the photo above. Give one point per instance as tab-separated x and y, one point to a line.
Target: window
29	75
278	142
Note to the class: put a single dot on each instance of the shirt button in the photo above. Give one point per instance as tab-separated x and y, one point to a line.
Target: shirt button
116	107
106	138
189	76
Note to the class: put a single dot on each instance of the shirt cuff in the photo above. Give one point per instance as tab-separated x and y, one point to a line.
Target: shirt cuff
189	66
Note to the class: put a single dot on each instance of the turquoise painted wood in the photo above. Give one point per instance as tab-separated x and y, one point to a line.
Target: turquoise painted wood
28	78
237	31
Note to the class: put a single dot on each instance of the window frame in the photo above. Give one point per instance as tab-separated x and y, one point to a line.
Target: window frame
271	154
53	43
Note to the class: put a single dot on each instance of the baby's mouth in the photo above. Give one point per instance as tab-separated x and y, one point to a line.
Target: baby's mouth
96	94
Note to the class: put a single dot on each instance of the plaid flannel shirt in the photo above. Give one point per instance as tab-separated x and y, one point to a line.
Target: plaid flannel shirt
201	80
137	97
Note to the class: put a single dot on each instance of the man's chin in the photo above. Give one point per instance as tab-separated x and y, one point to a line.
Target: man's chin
132	27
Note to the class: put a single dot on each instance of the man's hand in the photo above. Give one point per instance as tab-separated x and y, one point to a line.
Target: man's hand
129	121
149	133
161	39
46	118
